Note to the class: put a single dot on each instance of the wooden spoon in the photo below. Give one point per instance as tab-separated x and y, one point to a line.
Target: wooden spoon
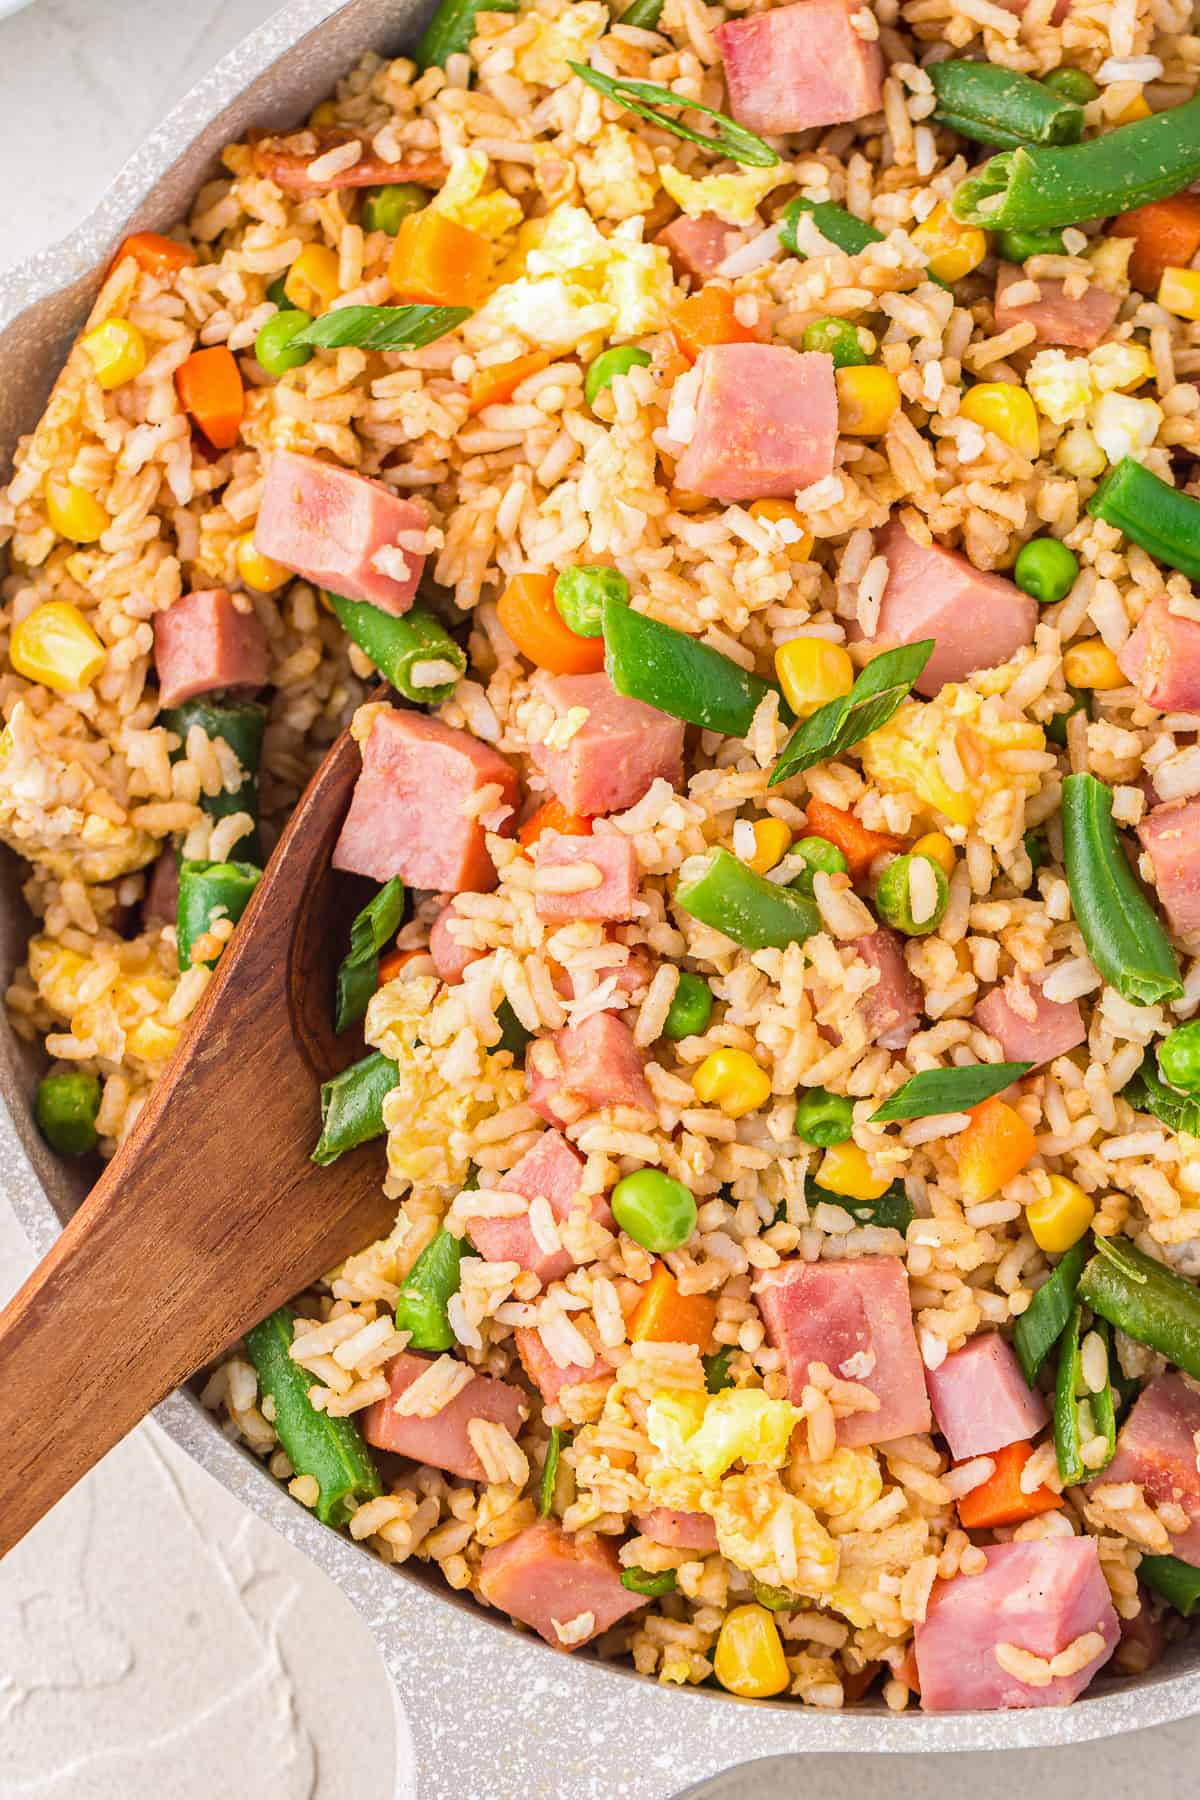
211	1213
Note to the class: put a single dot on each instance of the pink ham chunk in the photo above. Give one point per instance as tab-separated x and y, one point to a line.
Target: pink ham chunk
205	641
547	1577
551	1378
1162	658
610	856
1061	9
1038	1596
620	749
856	1318
679	1530
1170	836
340	531
406	817
1027	1026
628	977
1157	1449
442	1441
450	958
799	66
892	1008
1074	324
766	418
161	903
587	1066
981	1400
550	1171
698	247
977	620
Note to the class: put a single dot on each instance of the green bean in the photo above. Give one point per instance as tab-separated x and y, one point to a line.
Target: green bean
1041	185
1176	1581
1152	513
430	1284
1123	934
1071	1393
332	1451
414	652
580	593
240	725
1039	1327
754	912
66	1108
716	1369
995	105
452	27
1146	1300
837	226
641	1581
549	1479
358	975
676	673
352	1106
209	891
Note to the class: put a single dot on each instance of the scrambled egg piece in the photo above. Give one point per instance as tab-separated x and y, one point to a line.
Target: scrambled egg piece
1060	386
1123	426
114	999
1073	389
462	198
710	1432
902	756
48	812
614	183
846	1482
734	197
567	38
773	1535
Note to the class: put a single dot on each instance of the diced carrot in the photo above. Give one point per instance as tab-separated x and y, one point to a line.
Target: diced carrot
160	256
1000	1500
535	625
665	1316
1166	235
438	262
492	387
707	317
995	1146
857	844
395	960
907	1672
553	817
209	385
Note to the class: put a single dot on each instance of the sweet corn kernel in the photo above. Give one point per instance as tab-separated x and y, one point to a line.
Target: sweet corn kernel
951	249
868	400
812	671
749	1659
733	1081
323	116
1179	292
787	527
1061	1217
73	512
117	351
258	571
152	1041
772	841
312	280
845	1170
1005	410
937	846
56	646
1078	454
1092	665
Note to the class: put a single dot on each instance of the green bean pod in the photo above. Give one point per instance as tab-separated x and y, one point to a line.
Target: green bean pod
995	105
352	1106
430	1285
1123	933
1152	513
837	226
1176	1581
756	913
332	1451
358	972
676	673
1040	1326
652	1585
1070	1392
241	725
414	652
66	1108
1145	1300
452	27
209	891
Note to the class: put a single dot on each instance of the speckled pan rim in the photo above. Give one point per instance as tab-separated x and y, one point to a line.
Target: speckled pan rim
600	1728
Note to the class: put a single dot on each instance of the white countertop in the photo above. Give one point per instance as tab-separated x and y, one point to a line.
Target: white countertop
155	1639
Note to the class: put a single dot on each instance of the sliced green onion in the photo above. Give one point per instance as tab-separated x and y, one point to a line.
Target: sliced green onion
880	690
1147	1092
647	99
643	15
1039	1327
890	1211
716	1369
641	1581
936	1091
452	27
382	327
358	976
549	1480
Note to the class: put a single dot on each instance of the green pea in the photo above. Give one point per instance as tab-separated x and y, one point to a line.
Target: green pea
580	593
386	208
1179	1058
690	1009
610	363
1056	727
278	293
838	338
1019	246
656	1211
273	346
1046	569
821	857
66	1109
1071	84
823	1118
892	897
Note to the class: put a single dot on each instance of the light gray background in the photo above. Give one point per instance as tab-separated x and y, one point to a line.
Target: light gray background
157	1642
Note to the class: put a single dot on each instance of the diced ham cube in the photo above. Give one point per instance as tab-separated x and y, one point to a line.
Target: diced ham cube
629	976
856	1318
587	1066
698	247
612	856
1074	324
161	903
202	642
679	1530
550	1171
551	1378
766	418
892	1008
441	1441
1157	1449
340	530
287	160
981	1400
1061	9
798	66
450	958
1040	1597
1162	658
1170	836
547	1578
406	817
1027	1026
620	749
977	619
